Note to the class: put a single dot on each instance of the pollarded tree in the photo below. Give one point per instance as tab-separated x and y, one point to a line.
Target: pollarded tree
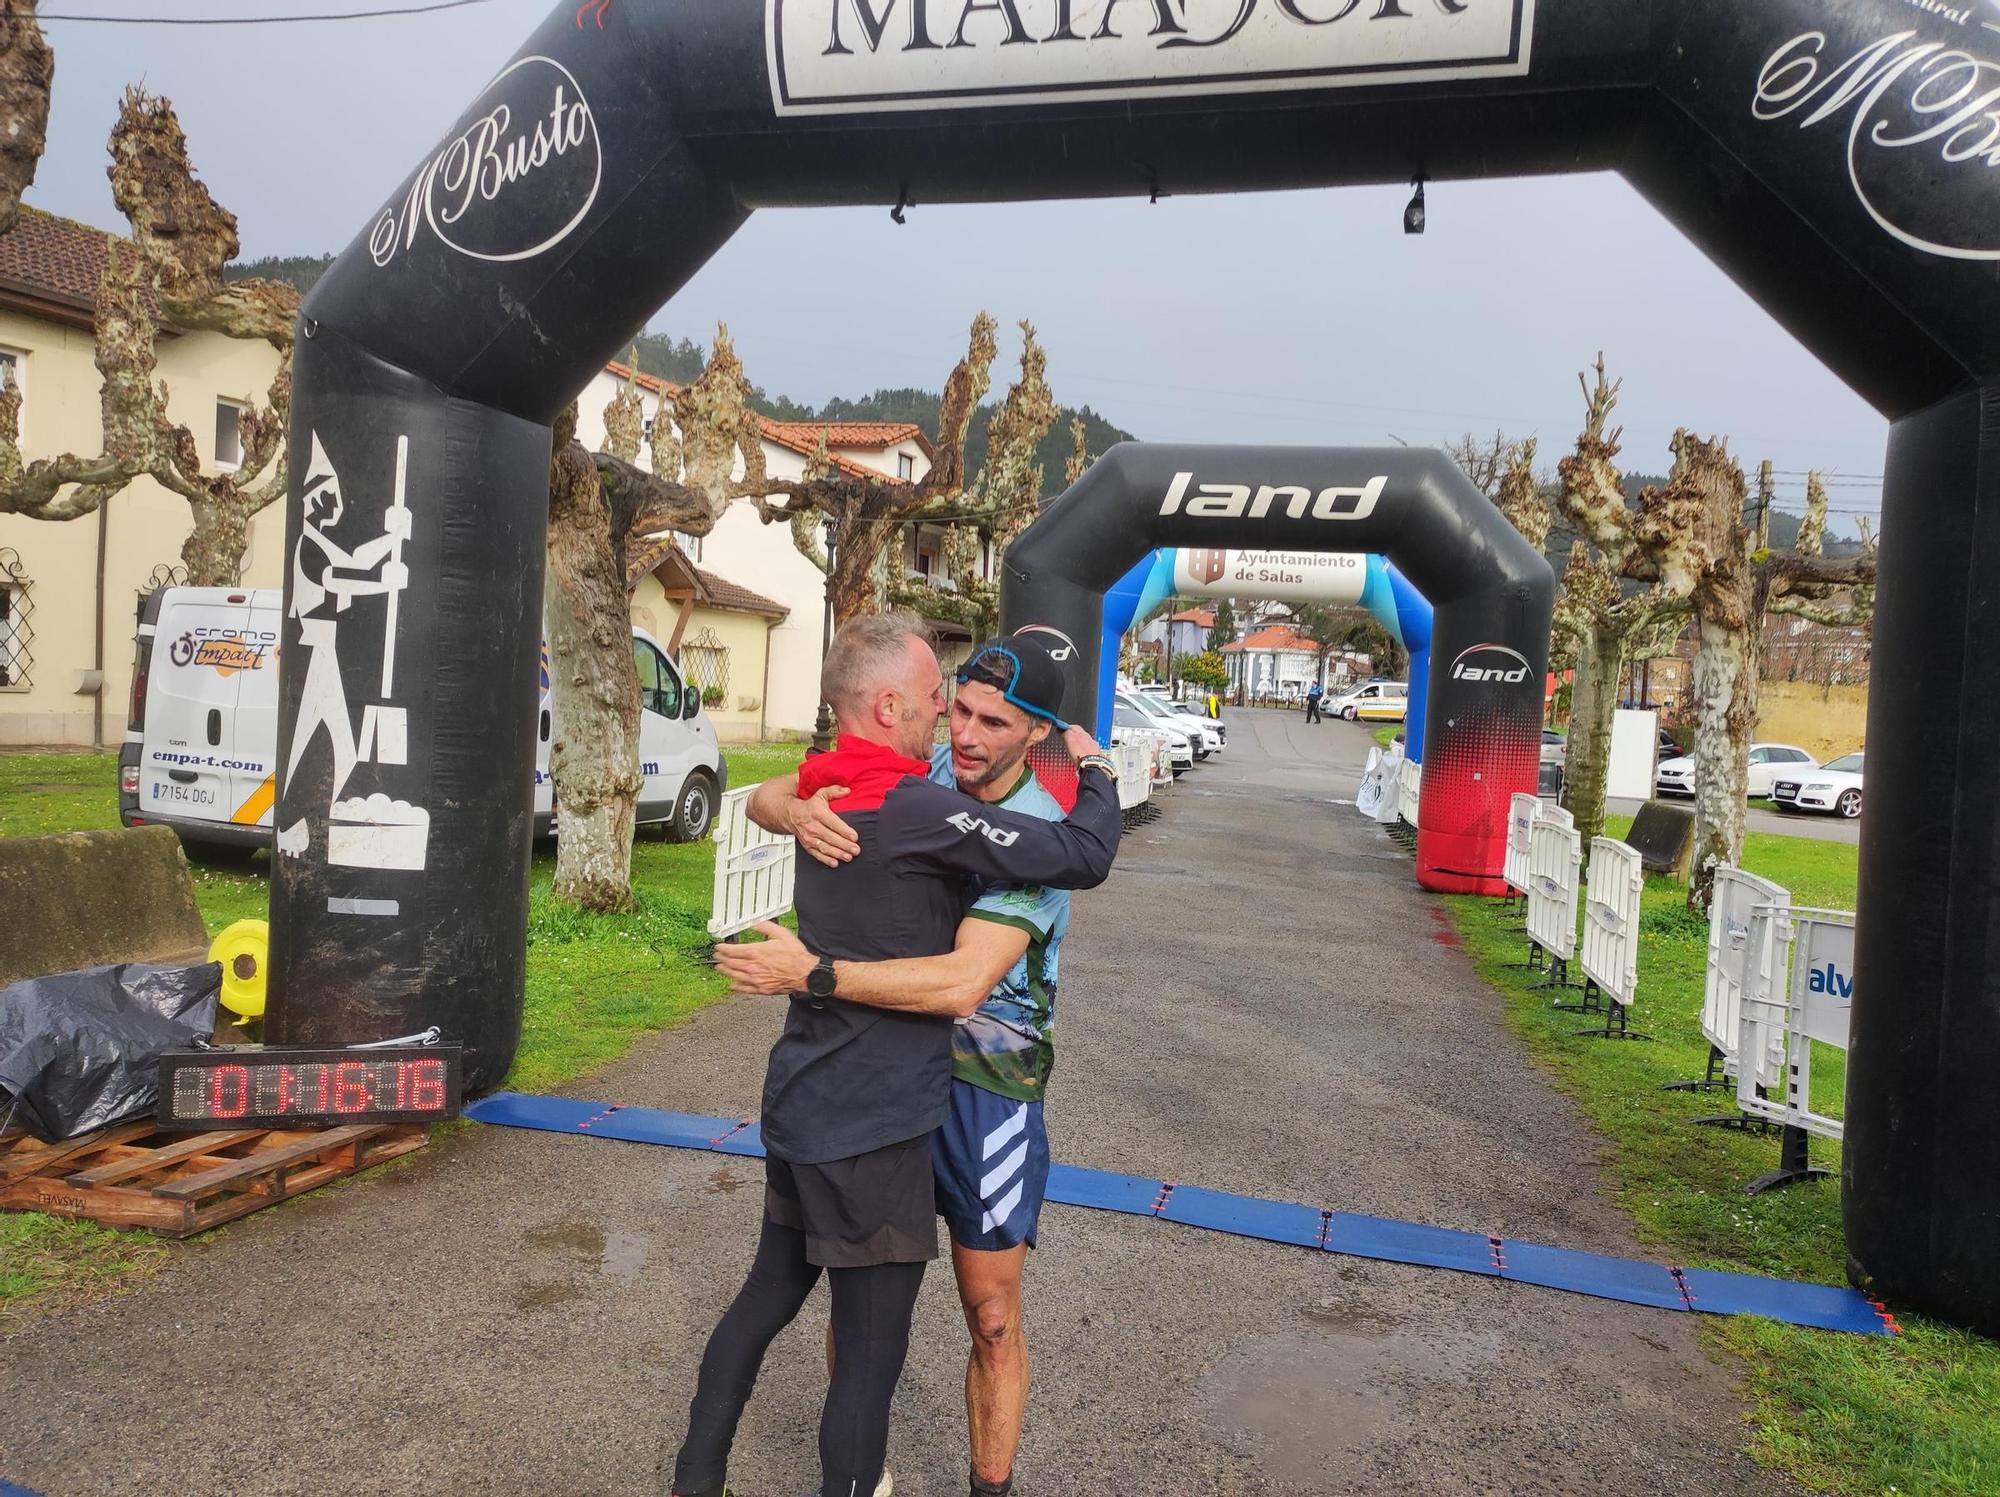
863	512
181	239
994	508
597	502
27	75
1740	582
1600	623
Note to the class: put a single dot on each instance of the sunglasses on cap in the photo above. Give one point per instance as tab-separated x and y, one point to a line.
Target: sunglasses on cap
999	667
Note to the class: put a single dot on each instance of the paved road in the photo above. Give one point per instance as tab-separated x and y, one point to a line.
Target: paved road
1257	1001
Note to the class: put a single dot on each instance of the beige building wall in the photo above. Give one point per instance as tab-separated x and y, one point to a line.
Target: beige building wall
763	558
739	718
144	525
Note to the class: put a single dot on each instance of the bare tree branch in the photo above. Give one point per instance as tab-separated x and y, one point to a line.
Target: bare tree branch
27	75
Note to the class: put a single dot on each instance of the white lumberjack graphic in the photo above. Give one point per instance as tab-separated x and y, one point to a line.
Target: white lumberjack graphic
327	578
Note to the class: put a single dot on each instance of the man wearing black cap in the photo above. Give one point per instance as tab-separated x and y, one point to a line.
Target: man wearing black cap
990	1157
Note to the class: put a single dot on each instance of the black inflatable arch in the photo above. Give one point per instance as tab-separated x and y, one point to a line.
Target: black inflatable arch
1491	592
1835	156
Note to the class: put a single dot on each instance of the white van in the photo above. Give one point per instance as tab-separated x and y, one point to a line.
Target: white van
1376	702
201	749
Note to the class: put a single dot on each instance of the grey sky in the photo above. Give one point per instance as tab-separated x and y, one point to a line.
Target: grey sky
1295	317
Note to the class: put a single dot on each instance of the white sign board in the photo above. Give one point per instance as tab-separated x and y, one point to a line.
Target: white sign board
1635	739
1281	576
1826	997
867	56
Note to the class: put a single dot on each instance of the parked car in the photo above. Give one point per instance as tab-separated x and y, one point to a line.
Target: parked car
1834	788
1211	728
1375	702
1180	748
1202	737
1555	747
1767	761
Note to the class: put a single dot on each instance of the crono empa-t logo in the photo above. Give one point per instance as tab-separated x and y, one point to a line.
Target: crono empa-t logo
1490	662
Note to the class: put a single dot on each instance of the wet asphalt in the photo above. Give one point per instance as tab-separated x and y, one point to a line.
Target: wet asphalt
1260	1000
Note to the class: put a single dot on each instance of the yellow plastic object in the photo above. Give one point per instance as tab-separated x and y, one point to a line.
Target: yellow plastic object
243	950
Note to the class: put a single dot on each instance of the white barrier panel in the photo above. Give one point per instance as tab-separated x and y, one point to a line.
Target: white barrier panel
1611	919
1390	768
1409	788
1375	788
1816	1005
1520	833
1554	855
753	869
1737	964
1135	774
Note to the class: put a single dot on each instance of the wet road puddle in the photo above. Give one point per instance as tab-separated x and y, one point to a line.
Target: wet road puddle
1304	1402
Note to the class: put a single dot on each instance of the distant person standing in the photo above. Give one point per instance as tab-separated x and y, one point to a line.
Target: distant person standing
1313	694
1214	705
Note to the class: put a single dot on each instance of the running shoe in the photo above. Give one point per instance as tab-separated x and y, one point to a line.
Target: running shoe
882	1488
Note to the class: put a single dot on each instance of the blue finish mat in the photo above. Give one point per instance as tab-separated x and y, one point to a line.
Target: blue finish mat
1628	1280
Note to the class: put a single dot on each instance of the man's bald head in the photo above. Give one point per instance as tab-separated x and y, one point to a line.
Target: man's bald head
882	680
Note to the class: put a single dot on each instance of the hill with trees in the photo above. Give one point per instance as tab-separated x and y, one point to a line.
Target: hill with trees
680	360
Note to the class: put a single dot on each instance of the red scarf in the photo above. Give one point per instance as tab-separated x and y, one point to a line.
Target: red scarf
868	770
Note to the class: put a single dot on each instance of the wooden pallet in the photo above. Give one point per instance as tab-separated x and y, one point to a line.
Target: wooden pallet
178	1184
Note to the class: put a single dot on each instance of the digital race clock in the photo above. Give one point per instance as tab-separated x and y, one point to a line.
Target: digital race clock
254	1087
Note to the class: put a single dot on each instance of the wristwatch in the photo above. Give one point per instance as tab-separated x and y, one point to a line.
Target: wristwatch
1098	761
820	981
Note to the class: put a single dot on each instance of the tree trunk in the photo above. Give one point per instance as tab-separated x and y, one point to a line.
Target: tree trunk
213	550
593	689
1725	694
1593	700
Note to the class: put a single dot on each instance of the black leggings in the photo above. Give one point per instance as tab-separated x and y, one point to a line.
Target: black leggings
871	1334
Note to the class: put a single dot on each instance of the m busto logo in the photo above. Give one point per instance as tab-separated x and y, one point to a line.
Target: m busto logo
513	182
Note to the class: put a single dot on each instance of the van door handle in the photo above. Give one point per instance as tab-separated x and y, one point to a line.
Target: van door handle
183	776
214	727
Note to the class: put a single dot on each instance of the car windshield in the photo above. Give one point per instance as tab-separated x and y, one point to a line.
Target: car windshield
1129	717
1846	764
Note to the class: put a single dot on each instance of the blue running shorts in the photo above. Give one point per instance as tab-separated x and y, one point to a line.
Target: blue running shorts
990	1158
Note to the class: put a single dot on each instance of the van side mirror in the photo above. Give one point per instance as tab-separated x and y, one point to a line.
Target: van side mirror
690	703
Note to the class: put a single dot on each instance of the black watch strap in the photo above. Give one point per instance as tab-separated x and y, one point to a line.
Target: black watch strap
820	982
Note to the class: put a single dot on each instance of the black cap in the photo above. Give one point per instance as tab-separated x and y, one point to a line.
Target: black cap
1022	668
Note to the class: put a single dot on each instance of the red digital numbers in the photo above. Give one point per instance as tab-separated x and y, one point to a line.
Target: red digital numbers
426	1084
228	1091
351	1091
270	1089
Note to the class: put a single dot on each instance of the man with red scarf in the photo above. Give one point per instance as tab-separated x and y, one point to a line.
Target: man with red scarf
853	1092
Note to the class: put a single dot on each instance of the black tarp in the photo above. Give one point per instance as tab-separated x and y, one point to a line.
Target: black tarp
81	1050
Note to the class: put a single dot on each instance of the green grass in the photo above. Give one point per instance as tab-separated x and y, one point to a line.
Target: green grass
595	984
1845	1414
1386	734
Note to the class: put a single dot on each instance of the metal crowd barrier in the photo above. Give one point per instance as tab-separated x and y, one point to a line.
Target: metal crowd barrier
1611	935
1742	957
1814	1008
1555	856
1409	787
753	869
1521	811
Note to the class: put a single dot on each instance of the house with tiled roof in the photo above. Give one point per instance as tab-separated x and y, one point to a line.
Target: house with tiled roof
763	558
1275	661
1177	635
719	631
69	590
